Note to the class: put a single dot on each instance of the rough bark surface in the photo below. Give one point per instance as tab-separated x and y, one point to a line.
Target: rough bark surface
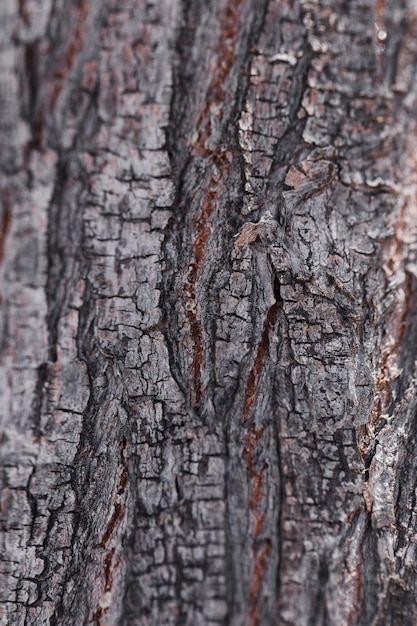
208	312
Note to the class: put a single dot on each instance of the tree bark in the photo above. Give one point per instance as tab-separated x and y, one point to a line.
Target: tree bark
208	312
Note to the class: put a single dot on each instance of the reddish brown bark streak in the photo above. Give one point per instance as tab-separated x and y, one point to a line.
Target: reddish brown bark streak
222	162
5	224
261	353
256	477
258	573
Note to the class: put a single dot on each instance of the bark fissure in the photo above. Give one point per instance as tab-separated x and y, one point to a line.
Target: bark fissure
256	476
262	350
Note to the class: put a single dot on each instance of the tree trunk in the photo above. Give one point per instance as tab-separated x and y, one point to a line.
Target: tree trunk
209	313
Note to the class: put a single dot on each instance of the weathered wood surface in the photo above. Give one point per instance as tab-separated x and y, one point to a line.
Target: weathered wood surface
208	312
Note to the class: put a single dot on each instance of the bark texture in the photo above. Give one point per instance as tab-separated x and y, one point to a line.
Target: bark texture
208	312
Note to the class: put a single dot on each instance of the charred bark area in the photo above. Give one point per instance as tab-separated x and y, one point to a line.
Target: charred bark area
208	277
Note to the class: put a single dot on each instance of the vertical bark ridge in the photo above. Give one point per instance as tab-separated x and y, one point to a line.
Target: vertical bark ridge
208	132
271	121
256	474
